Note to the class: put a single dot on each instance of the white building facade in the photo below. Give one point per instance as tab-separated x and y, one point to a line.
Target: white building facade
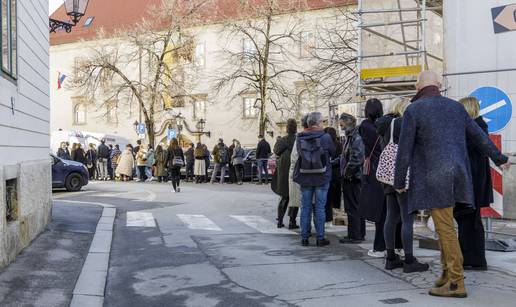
25	169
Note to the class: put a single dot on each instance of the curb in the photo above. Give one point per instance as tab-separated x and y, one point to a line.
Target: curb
90	286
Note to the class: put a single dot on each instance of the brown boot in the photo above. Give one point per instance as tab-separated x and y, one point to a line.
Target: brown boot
450	289
441	281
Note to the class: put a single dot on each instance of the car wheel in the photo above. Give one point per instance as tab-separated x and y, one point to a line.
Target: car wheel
73	182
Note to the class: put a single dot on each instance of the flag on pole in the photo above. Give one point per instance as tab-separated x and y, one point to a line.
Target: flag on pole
60	80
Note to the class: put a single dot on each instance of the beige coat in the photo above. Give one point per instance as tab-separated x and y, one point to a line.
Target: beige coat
294	189
125	163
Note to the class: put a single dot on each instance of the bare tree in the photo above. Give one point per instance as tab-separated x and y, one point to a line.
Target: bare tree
161	46
258	56
336	56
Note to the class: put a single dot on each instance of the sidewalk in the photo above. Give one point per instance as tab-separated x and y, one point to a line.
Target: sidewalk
44	274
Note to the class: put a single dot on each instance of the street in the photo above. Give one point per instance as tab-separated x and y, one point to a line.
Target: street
214	245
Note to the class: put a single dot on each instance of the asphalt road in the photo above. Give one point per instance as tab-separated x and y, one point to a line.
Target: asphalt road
214	245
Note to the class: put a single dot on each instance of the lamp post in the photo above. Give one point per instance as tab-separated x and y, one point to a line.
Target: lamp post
201	124
75	9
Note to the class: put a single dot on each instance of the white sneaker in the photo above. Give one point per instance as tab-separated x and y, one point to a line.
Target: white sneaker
400	252
137	180
174	191
375	254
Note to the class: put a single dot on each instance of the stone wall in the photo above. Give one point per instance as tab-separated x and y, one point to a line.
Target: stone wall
34	206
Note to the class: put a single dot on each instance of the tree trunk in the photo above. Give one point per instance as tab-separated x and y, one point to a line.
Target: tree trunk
151	134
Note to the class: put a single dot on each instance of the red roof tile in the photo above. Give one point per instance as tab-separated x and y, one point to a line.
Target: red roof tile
112	15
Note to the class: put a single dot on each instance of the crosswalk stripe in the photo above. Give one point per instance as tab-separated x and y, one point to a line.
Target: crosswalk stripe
198	221
140	219
261	224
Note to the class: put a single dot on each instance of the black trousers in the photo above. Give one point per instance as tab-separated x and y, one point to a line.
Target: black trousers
282	209
334	198
189	171
175	172
351	195
379	239
472	239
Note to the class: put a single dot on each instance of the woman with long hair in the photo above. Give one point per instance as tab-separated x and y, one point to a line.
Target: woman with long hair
175	161
372	199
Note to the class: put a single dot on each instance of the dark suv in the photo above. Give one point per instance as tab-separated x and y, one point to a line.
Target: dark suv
68	174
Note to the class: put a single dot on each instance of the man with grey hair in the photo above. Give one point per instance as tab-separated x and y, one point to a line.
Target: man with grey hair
433	145
313	173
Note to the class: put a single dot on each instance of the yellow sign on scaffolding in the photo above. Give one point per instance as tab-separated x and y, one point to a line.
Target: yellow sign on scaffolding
398	71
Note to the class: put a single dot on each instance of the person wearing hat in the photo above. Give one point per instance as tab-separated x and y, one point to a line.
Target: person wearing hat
351	162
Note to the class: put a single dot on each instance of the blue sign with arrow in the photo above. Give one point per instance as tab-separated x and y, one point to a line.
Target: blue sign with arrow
495	107
171	133
141	128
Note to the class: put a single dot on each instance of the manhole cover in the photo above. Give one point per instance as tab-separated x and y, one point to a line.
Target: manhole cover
392	301
278	253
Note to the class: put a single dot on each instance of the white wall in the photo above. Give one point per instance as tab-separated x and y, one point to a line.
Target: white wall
471	45
25	135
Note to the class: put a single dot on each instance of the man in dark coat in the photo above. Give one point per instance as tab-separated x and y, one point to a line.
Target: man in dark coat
263	152
102	160
283	150
351	162
433	145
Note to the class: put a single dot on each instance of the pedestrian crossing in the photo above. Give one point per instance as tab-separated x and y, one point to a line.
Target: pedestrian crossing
241	223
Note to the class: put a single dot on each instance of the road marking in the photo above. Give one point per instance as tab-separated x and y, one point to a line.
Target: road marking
84	202
69	194
261	224
198	221
140	219
139	195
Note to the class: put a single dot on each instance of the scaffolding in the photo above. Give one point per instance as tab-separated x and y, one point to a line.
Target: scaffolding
401	30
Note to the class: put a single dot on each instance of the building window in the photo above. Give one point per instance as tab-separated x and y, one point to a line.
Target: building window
305	102
200	54
249	48
111	112
8	38
199	109
250	110
79	114
88	21
307	44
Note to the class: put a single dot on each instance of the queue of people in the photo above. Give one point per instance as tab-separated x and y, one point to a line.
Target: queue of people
428	154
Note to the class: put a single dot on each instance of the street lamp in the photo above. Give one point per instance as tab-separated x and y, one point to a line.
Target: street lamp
135	125
201	124
75	9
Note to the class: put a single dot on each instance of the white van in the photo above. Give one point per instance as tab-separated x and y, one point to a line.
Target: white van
84	138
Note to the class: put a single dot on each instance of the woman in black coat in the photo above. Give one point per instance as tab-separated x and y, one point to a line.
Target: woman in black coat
372	199
335	190
471	229
283	150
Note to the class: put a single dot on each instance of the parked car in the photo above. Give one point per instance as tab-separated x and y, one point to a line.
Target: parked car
67	174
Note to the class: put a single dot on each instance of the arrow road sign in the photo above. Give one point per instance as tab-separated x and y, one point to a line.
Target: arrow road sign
495	107
504	18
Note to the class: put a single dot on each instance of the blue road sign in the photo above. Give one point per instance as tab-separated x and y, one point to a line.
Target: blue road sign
141	128
171	133
495	107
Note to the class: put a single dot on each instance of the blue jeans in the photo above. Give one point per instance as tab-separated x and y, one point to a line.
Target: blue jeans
307	196
263	169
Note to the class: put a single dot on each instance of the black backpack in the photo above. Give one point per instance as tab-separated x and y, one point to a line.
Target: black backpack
312	157
224	155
